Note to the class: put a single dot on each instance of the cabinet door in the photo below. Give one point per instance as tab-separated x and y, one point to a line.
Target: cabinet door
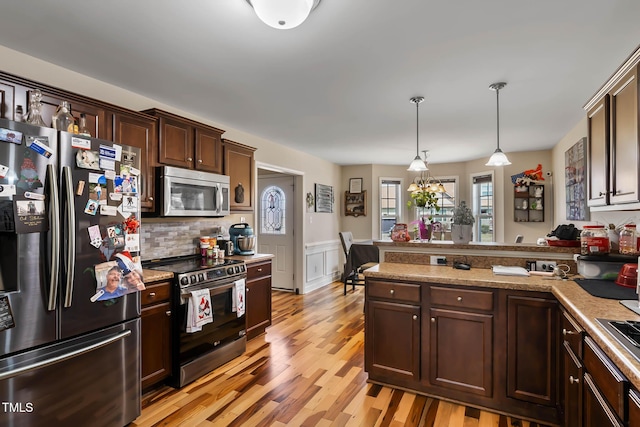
156	343
597	412
461	351
238	164
175	143
139	131
258	313
624	139
392	341
598	153
532	341
634	408
208	150
572	387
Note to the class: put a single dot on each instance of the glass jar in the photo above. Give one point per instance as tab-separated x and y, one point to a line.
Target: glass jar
35	106
628	240
63	120
594	240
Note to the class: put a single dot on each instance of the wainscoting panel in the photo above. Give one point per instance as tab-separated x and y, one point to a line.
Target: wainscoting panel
322	264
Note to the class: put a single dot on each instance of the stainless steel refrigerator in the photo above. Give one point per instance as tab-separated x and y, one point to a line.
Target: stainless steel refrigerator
66	358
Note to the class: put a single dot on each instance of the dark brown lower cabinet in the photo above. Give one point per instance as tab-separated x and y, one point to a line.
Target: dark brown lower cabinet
156	333
258	298
392	336
597	413
634	408
532	349
572	384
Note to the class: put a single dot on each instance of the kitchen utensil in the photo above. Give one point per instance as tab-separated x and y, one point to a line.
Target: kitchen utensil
628	276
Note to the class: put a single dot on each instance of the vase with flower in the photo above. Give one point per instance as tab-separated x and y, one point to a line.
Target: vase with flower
427	201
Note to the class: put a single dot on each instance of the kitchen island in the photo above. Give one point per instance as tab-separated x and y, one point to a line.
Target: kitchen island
498	342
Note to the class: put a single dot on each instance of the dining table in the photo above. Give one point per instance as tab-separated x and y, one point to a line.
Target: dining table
359	254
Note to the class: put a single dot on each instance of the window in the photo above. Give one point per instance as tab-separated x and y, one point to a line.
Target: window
483	208
447	203
390	203
272	211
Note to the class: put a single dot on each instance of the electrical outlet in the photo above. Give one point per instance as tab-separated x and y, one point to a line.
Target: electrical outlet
438	260
545	265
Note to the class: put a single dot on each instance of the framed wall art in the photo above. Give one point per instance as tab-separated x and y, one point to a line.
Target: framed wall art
324	198
575	177
355	185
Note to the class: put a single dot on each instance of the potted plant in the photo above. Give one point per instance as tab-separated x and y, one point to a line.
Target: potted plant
462	224
424	199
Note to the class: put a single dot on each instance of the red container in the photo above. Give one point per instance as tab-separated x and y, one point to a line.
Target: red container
628	276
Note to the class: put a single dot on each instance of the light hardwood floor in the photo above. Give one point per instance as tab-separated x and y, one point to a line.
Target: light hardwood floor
307	370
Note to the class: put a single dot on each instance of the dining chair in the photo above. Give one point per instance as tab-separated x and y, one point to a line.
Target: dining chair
352	277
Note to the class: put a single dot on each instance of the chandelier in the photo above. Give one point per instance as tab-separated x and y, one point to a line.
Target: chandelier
426	183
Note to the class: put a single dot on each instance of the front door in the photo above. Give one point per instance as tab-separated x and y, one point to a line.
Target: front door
275	226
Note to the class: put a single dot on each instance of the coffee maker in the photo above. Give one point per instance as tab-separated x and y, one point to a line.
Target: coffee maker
243	238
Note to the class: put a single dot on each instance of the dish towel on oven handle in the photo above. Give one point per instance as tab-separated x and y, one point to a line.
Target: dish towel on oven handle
199	310
238	297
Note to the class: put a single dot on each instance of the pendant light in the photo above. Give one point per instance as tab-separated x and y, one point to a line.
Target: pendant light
498	158
283	14
417	165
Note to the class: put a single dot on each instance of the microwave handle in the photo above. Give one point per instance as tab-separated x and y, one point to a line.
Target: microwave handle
220	198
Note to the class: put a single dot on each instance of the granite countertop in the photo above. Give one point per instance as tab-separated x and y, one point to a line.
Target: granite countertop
584	307
150	276
484	246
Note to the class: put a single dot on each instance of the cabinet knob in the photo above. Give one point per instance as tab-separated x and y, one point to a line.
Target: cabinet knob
150	199
152	295
199	160
459	299
433	320
392	292
567	332
260	270
168	313
247	289
573	380
415	317
189	159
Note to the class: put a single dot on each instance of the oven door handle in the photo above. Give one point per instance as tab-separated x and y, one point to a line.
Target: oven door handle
216	290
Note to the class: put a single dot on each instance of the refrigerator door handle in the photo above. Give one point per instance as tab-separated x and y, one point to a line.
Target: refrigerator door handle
62	357
67	179
54	210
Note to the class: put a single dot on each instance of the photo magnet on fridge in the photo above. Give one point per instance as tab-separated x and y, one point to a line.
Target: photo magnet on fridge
87	159
3	171
91	207
40	144
9	135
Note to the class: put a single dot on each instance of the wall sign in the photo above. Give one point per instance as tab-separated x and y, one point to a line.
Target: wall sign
324	198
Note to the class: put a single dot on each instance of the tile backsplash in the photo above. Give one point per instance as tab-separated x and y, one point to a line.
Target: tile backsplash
164	237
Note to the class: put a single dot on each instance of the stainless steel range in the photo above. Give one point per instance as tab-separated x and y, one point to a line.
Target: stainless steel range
197	353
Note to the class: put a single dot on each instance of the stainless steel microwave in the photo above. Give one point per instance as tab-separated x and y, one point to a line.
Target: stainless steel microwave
186	192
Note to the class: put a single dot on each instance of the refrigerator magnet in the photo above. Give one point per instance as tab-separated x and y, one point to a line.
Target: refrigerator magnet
34	196
81	143
87	159
115	196
6	316
10	135
108	211
40	144
94	236
132	243
98	192
130	204
91	207
107	152
107	164
134	171
80	188
7	190
3	171
111	174
30	216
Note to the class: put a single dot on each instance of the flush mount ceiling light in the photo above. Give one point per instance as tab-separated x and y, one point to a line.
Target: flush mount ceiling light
283	14
417	165
498	158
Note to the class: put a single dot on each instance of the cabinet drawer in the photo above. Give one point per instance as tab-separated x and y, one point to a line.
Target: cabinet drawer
609	380
394	291
155	293
634	408
572	334
462	298
258	270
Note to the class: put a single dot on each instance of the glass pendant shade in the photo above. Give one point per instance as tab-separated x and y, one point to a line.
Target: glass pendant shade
498	158
282	14
417	165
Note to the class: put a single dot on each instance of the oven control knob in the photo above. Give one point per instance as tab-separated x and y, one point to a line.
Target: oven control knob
194	279
230	270
200	277
184	280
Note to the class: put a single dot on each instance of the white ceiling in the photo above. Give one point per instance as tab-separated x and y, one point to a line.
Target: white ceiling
338	86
